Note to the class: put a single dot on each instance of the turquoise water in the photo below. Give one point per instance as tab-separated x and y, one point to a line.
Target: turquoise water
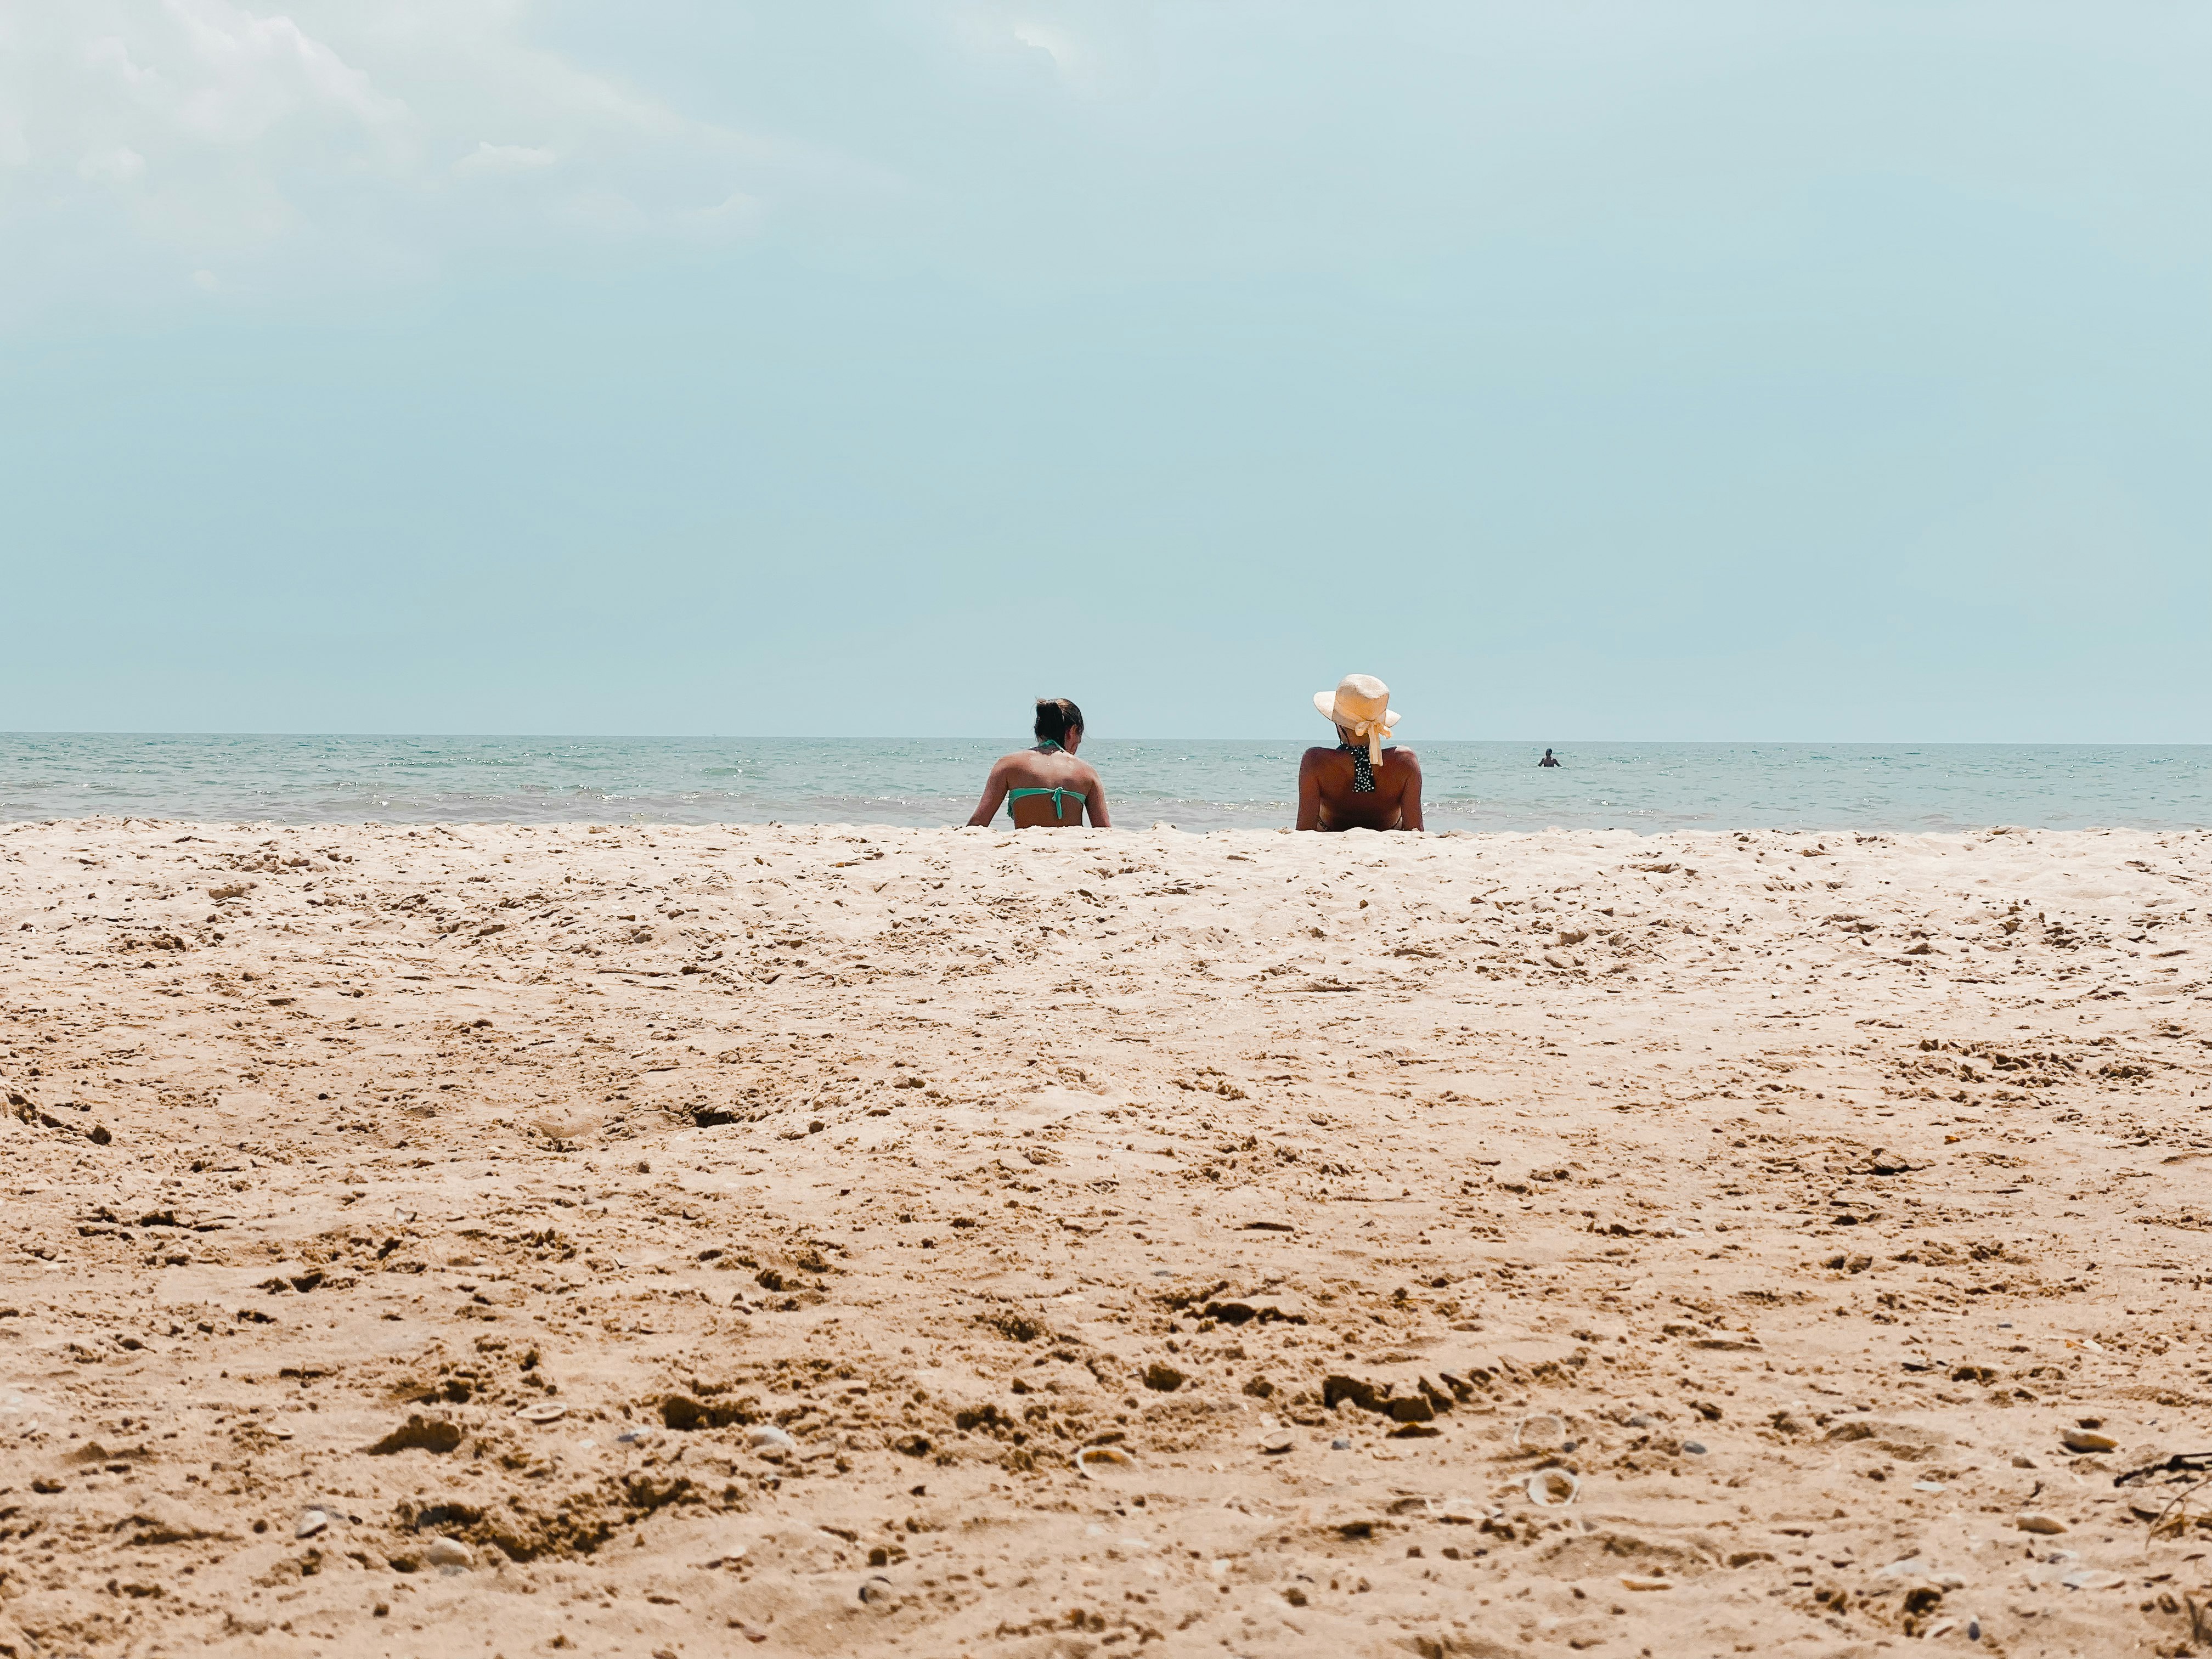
1206	785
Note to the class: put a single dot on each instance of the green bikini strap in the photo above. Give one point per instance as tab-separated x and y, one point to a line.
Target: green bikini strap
1058	806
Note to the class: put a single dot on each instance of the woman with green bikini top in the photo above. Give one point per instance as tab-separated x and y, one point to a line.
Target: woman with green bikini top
1047	785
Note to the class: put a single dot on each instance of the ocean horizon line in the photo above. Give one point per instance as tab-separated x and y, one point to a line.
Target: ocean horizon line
1196	783
1410	739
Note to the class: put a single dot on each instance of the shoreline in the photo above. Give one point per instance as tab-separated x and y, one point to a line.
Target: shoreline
944	1153
1200	784
608	824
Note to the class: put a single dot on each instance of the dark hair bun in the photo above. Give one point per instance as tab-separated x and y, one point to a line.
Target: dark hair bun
1055	718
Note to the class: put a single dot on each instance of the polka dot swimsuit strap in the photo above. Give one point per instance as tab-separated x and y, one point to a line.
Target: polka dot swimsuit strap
1363	770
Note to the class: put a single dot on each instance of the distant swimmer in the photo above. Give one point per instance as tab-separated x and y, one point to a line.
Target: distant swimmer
1359	784
1045	786
1550	759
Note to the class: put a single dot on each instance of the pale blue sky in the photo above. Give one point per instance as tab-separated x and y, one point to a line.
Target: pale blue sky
1586	370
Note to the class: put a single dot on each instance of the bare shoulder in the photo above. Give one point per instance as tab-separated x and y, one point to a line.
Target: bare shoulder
1316	754
1401	753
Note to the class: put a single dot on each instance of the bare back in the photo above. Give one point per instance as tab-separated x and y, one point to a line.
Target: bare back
1326	799
1039	774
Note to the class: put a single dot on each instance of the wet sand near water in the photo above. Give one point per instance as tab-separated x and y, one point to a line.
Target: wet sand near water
833	1241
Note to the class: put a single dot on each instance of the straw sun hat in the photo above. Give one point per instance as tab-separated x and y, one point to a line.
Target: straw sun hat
1361	705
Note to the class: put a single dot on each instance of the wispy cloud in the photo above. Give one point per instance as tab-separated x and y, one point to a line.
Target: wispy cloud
1092	48
488	157
157	151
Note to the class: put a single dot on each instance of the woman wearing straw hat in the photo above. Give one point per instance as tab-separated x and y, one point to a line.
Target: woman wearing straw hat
1047	785
1359	784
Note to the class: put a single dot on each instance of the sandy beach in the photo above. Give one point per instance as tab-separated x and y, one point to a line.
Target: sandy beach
510	1240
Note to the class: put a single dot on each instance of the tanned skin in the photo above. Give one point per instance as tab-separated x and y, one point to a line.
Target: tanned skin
1326	800
1043	769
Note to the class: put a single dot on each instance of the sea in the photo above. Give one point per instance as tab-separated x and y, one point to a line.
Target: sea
1195	786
